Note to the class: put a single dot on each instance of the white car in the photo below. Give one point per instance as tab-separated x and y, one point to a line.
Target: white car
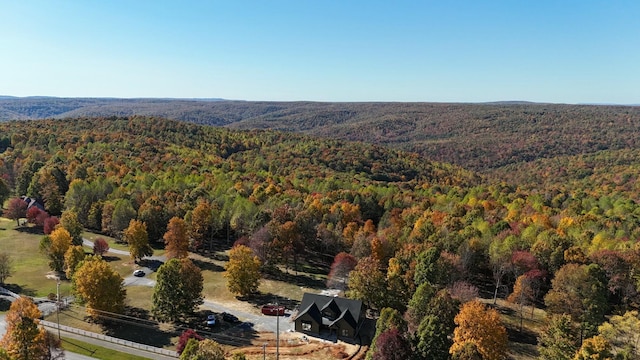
211	320
138	273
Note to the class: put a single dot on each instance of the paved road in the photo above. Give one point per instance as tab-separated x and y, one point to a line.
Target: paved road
133	280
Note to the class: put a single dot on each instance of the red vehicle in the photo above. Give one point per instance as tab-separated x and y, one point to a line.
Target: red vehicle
273	310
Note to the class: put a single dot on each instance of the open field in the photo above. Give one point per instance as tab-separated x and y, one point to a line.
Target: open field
83	348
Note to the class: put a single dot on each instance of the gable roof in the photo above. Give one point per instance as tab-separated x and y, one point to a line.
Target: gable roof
313	311
354	307
346	316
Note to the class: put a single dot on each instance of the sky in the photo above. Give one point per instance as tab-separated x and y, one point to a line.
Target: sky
415	51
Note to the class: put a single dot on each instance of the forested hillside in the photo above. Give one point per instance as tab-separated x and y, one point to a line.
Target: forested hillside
418	232
479	137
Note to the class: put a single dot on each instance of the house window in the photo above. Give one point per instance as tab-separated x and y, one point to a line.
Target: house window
306	326
344	332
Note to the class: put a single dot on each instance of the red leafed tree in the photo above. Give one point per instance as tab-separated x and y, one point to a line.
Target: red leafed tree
100	246
184	338
41	218
523	261
50	224
16	209
342	265
32	214
391	345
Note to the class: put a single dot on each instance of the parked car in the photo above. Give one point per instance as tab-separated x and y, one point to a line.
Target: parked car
138	273
230	318
273	310
211	320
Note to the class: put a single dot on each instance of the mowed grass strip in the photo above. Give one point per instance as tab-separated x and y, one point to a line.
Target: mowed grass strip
98	352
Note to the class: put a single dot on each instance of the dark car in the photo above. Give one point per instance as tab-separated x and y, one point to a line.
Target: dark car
230	318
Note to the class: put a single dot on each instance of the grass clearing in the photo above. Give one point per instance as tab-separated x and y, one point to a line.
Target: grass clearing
30	266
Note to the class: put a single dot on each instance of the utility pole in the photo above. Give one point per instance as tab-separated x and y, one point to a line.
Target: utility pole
264	351
58	306
277	330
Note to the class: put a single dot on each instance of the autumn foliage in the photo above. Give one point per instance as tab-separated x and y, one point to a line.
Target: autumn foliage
481	326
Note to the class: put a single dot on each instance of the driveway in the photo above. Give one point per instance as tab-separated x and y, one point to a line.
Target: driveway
259	321
134	280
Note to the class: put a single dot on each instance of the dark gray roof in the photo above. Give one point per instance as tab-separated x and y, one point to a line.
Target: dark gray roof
313	311
321	301
346	316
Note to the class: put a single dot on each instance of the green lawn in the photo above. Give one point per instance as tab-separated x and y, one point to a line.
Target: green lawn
83	348
30	266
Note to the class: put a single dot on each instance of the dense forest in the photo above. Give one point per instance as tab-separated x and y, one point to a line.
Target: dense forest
479	137
565	237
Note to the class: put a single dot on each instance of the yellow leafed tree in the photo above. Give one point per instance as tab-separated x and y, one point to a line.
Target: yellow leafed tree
481	326
99	286
243	271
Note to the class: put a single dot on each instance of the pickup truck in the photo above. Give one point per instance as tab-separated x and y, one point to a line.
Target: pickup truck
273	310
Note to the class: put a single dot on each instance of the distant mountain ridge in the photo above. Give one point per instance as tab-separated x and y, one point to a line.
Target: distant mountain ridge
478	137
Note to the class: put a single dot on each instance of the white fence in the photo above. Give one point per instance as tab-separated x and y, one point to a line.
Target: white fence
110	339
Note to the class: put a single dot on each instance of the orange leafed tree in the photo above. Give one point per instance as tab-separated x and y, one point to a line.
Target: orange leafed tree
481	326
24	338
176	239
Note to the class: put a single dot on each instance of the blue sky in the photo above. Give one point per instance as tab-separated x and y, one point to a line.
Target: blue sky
442	51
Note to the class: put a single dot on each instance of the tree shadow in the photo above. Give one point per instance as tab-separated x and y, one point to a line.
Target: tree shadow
136	325
207	265
110	258
5	304
297	279
152	264
20	289
32	230
260	299
524	337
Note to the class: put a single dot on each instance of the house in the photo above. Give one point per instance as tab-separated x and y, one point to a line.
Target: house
320	314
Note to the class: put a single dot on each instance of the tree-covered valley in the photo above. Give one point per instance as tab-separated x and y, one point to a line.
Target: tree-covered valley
540	210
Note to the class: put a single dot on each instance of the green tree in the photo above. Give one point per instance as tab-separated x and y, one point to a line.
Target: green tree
419	304
427	267
4	191
70	222
136	236
623	333
580	291
368	283
153	212
123	213
389	319
176	239
190	349
559	340
242	271
99	286
433	338
6	267
178	290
